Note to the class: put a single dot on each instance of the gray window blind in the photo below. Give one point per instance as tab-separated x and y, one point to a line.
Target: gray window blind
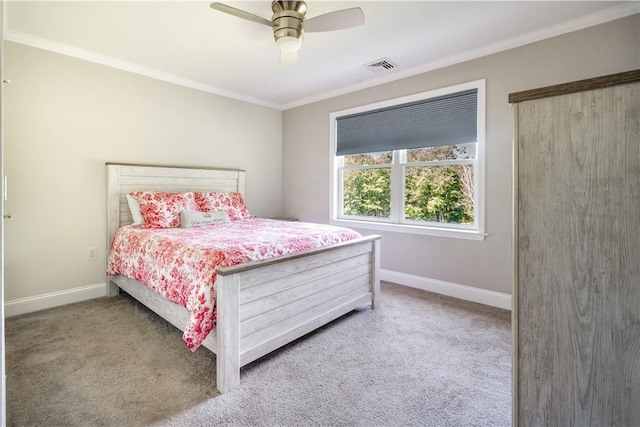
445	120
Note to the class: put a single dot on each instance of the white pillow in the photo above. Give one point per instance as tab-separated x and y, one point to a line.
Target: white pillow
134	207
197	218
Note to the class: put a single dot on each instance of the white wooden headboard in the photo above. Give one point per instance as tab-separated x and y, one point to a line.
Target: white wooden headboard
124	178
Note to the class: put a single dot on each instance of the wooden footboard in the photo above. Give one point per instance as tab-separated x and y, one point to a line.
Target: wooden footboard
267	304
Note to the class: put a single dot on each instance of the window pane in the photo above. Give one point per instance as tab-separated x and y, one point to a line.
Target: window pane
382	158
367	192
444	152
439	194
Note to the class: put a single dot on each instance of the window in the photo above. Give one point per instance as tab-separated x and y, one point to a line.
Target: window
413	164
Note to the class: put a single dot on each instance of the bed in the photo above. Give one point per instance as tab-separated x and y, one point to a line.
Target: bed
273	290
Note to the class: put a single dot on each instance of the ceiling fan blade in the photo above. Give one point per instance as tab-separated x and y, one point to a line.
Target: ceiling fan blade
338	20
241	14
288	57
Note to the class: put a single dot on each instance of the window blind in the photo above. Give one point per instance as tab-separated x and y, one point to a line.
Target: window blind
445	120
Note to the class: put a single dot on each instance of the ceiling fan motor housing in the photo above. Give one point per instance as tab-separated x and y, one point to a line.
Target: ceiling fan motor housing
287	18
287	23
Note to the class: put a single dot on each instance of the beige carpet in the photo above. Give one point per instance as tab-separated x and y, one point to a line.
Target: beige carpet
419	359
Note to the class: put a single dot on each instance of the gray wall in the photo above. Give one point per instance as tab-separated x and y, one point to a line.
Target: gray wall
605	49
64	118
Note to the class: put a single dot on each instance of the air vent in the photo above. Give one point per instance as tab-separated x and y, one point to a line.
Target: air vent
379	65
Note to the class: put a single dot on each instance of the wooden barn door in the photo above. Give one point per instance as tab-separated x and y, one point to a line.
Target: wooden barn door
577	254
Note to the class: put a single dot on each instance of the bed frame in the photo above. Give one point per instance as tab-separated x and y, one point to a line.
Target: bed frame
262	305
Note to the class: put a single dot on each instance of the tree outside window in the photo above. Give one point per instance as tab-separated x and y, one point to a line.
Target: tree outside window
438	184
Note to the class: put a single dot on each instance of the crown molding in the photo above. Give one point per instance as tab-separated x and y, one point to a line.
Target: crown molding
601	17
63	49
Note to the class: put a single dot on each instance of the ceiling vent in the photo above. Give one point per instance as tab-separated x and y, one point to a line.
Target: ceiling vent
379	65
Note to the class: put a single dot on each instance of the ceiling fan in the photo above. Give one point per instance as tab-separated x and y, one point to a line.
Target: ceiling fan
289	23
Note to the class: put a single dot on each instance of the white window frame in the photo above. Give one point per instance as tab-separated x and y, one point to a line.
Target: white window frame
396	222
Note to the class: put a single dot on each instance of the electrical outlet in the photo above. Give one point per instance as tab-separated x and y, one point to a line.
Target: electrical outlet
91	253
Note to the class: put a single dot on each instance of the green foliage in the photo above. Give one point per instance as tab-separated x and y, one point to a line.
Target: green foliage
436	194
441	194
367	192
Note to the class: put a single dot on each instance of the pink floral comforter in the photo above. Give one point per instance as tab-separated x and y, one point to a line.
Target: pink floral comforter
179	263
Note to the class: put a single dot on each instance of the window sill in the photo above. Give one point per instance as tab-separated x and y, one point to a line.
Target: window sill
411	229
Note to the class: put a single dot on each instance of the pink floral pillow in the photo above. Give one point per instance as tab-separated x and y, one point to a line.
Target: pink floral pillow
231	203
162	210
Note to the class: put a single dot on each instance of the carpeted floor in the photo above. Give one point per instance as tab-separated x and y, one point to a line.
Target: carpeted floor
419	359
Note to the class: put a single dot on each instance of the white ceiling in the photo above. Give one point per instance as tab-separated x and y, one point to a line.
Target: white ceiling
188	43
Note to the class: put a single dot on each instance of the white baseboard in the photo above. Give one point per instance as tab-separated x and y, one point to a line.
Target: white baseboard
469	293
54	299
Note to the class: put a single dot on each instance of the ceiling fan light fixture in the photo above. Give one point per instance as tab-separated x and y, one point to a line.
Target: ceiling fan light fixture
288	57
289	43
